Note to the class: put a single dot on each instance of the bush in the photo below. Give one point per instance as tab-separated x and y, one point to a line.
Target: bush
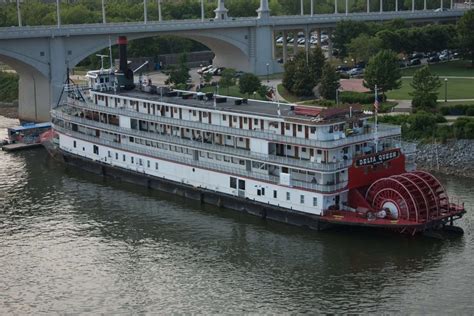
458	109
356	97
470	111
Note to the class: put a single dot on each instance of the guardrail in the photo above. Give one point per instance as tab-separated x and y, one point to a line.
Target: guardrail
383	130
202	164
175	140
198	24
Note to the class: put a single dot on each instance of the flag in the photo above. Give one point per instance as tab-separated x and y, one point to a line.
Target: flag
376	102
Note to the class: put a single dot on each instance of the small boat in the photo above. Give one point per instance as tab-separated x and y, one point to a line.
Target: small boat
25	136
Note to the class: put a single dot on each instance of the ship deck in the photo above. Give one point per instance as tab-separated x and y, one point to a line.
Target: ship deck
228	104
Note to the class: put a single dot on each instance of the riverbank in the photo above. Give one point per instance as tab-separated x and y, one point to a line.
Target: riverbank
9	109
453	158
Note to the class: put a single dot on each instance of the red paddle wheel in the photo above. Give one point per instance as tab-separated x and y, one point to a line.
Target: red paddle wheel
415	196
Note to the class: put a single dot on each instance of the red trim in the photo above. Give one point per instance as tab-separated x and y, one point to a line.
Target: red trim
122	40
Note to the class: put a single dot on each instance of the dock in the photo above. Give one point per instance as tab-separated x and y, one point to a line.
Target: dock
20	146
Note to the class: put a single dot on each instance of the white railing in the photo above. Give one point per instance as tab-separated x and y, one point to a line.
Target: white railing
152	152
176	140
383	130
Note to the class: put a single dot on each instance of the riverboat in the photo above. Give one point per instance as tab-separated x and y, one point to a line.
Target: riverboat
300	165
25	136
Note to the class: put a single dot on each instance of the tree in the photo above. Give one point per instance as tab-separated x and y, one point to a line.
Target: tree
249	83
363	47
227	78
179	75
466	35
207	77
303	73
383	71
425	88
344	32
329	82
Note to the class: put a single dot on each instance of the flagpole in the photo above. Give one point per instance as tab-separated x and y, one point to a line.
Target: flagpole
376	106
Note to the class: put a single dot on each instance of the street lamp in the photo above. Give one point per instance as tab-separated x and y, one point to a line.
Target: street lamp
268	73
445	90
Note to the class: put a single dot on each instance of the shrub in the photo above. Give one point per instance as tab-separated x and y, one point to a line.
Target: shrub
356	97
470	111
458	109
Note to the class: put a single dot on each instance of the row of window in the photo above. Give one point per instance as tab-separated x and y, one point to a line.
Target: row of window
240	184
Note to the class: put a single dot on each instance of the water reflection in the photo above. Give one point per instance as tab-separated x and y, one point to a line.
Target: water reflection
80	243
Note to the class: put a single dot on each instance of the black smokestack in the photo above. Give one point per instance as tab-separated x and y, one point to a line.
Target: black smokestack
122	42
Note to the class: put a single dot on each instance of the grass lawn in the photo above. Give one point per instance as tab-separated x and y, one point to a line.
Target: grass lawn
288	96
232	92
457	89
456	68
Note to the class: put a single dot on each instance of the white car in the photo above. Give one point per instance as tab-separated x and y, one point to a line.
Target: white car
279	40
355	72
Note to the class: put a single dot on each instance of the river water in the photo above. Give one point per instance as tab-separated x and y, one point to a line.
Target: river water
71	242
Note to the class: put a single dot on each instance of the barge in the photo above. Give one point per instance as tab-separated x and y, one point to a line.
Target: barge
294	164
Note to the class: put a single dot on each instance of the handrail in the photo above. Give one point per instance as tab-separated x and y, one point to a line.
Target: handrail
211	166
383	130
285	161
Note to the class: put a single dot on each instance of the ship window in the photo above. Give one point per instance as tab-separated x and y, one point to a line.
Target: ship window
284	169
156	165
226	159
124	158
233	183
241	185
245	120
116	156
229	137
331	129
234	119
287	126
288	196
319	152
302	199
148	163
74	144
313	129
140	162
315	201
275	194
300	128
96	150
288	146
303	149
259	192
194	112
131	159
109	154
263	191
224	117
255	121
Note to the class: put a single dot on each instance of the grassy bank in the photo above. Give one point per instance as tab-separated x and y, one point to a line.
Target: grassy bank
8	87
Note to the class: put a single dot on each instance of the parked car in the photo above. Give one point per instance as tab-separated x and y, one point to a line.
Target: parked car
433	59
354	72
204	69
279	40
342	68
417	56
414	62
445	56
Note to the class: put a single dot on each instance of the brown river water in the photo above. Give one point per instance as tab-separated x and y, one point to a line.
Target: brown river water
75	243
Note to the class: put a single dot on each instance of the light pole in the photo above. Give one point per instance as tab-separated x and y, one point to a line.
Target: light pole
445	90
337	96
202	10
159	10
268	73
18	12
58	13
145	14
103	12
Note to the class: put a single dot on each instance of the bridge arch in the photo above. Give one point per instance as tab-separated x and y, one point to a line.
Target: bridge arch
231	50
34	93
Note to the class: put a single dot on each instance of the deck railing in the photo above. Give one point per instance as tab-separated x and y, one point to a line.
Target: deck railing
383	130
152	152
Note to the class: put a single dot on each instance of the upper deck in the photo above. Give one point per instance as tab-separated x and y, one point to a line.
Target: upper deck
308	115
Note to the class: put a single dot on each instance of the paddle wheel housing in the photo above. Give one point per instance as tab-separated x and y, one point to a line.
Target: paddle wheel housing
415	196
